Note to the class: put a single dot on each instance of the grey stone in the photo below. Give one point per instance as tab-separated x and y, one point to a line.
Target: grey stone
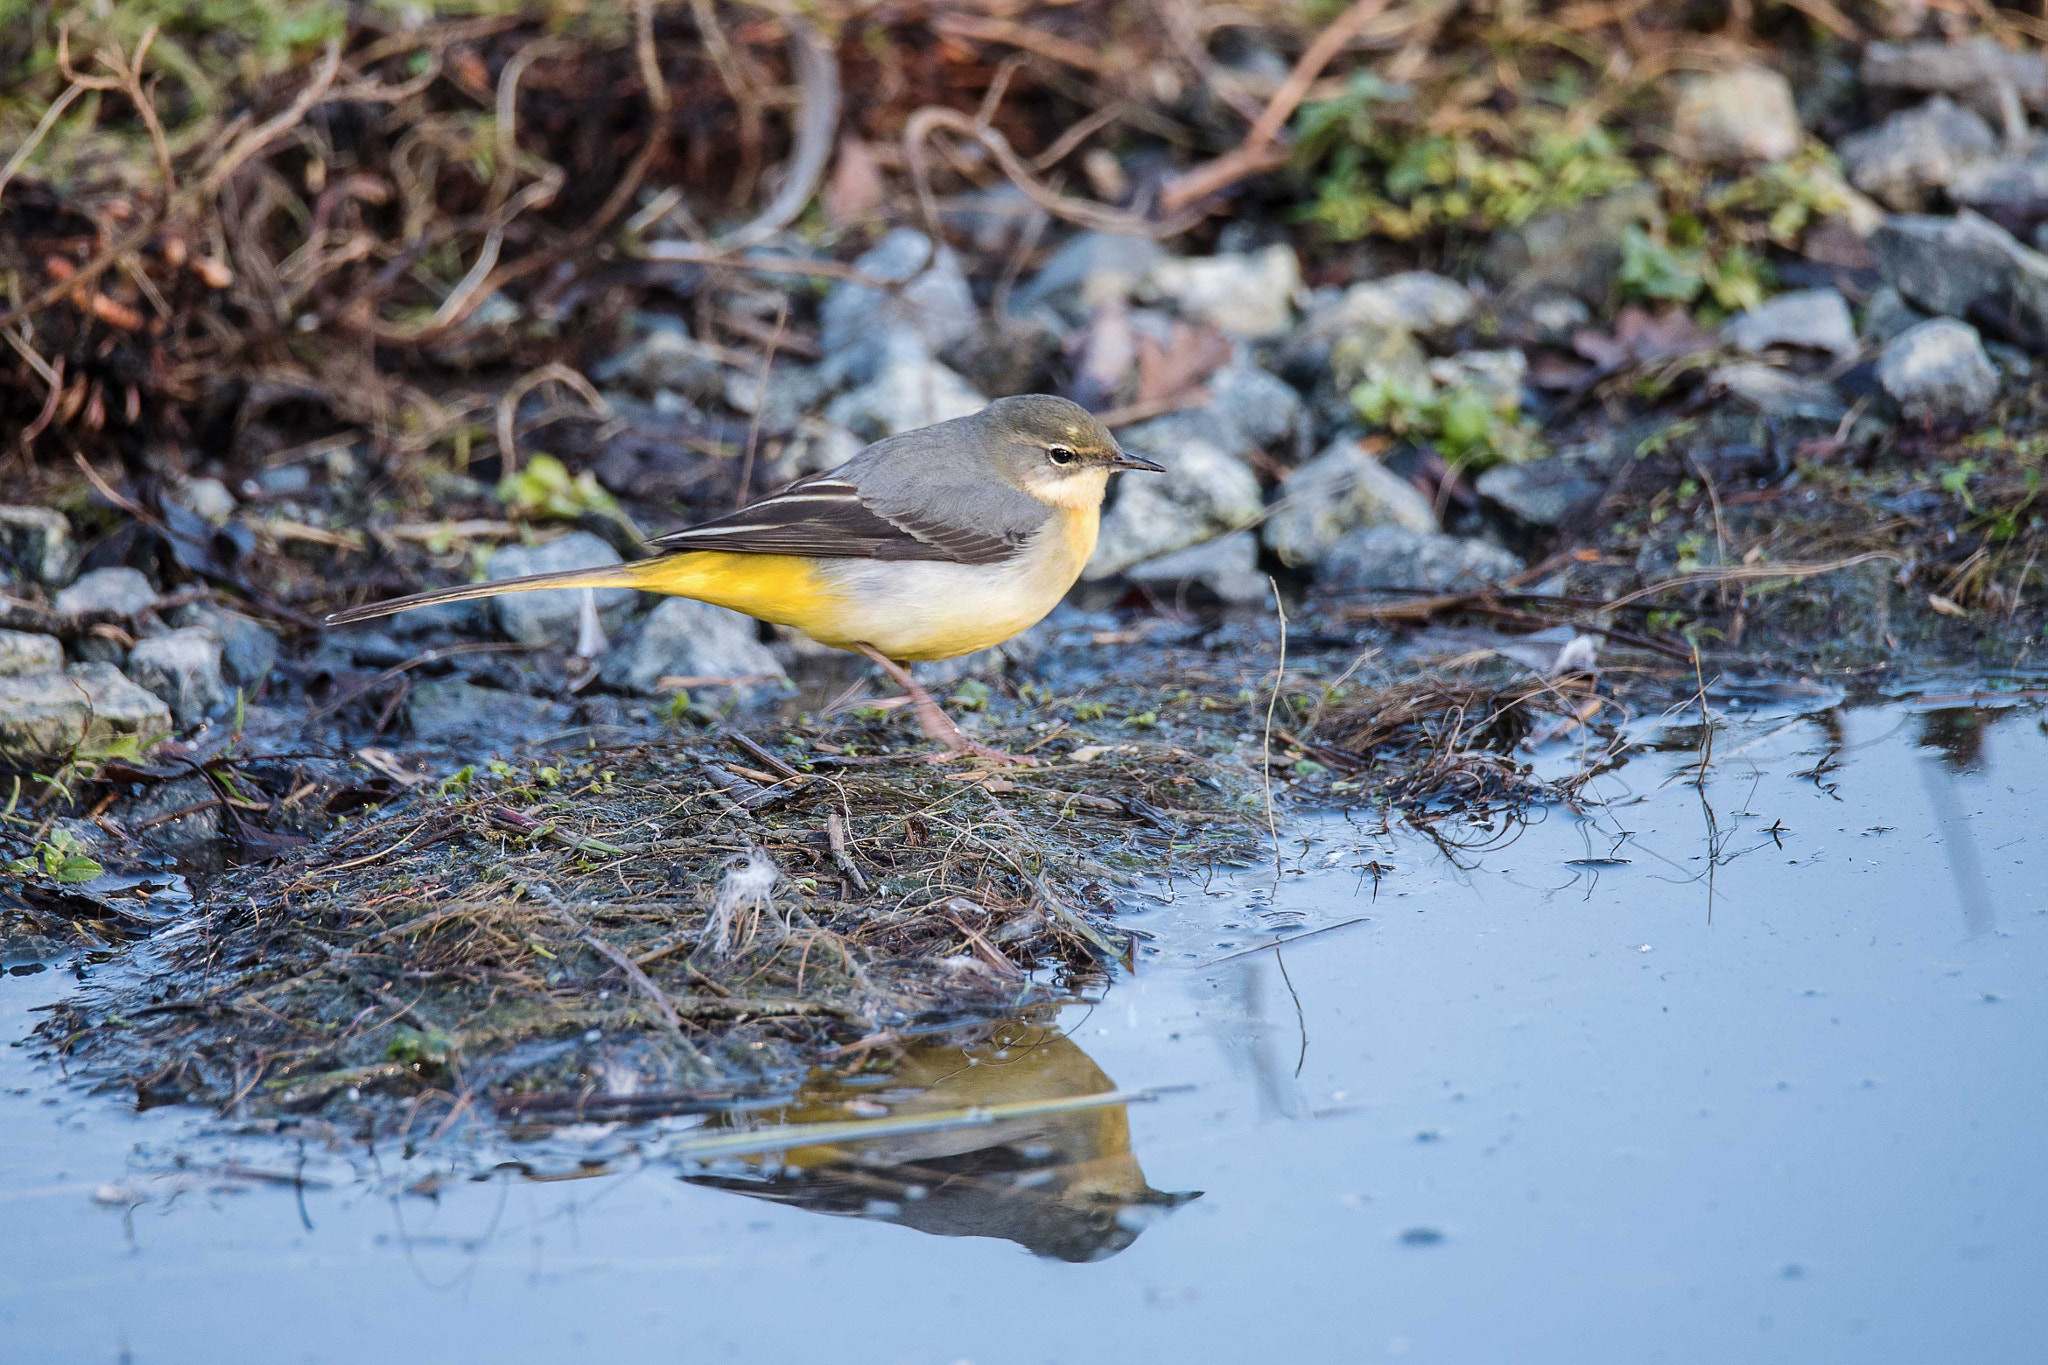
667	358
1342	489
1543	314
1087	270
550	616
1817	319
1414	301
1541	492
1243	294
451	711
2008	184
1950	265
183	667
791	391
189	837
1250	408
1576	251
1972	71
682	638
209	498
1498	376
22	654
1369	353
48	717
461	618
1205	492
1887	314
1741	114
1914	151
1779	393
36	541
908	389
248	650
937	305
1938	370
117	592
1227	566
1390	558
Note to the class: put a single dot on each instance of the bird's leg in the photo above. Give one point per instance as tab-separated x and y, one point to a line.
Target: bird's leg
936	724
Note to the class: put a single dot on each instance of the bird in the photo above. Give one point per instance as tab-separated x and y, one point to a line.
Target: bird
928	544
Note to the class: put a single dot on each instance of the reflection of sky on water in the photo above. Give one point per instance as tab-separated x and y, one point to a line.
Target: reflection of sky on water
1748	1070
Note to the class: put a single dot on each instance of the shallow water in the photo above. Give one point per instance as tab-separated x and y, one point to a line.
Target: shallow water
1756	1070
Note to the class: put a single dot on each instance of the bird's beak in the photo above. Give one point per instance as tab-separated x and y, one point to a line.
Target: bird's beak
1125	460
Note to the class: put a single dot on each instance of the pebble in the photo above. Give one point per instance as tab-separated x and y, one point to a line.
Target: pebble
1342	489
1087	271
1915	151
1938	371
908	389
1541	492
116	592
666	359
1948	266
37	542
1887	314
182	667
1738	115
22	654
1575	251
683	638
48	717
209	498
1242	294
1973	71
937	305
1817	319
248	651
1227	566
1387	558
551	615
452	711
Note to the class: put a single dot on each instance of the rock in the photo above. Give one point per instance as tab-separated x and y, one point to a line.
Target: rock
1249	408
248	651
682	638
667	358
113	592
1497	376
551	616
36	541
1915	151
1204	493
1243	294
48	717
938	305
22	654
908	389
2014	188
791	391
1415	301
1541	493
1887	314
1972	71
451	711
1817	319
1780	393
1088	270
209	498
1392	558
1344	488
192	837
1369	353
1227	566
1950	266
1742	114
1575	251
183	667
1938	371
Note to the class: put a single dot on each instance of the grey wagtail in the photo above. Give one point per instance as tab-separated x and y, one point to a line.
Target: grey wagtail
927	545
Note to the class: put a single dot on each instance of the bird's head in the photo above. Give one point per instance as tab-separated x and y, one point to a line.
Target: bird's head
1055	450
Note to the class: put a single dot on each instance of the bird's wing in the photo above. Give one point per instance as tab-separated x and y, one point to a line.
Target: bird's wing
827	517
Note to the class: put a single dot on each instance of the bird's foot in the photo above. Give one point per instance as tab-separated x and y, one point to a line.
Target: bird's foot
936	724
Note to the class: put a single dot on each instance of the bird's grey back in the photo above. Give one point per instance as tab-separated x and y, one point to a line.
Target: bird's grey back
945	475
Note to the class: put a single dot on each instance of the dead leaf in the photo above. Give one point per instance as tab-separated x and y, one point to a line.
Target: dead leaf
1191	354
1946	606
855	190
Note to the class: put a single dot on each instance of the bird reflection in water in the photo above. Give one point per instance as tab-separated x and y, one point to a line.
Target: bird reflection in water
1064	1185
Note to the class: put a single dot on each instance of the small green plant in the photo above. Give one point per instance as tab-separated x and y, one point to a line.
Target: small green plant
970	695
60	857
1463	421
1677	266
1090	710
545	488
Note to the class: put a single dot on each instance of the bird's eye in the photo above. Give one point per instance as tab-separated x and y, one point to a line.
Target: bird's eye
1059	455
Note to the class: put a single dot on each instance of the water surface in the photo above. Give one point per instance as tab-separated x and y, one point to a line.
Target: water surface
1750	1069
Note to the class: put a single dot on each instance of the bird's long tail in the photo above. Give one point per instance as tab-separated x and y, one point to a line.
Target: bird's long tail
605	576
